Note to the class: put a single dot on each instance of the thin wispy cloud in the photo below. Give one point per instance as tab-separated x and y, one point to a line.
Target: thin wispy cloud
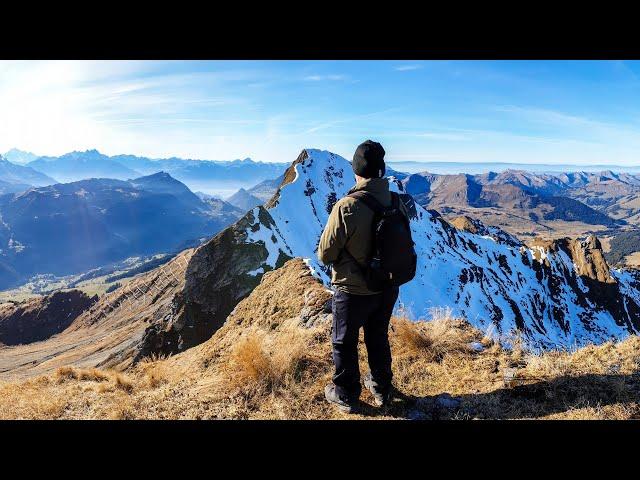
408	67
574	127
549	117
325	78
347	120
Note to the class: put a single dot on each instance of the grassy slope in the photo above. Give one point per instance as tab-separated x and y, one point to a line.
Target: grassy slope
272	359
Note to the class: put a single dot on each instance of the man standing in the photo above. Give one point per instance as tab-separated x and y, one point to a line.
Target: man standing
347	243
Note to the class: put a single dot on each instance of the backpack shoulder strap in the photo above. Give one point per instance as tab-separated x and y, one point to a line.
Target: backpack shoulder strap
395	200
369	200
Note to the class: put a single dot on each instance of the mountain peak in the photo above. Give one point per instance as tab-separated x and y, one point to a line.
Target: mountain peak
21	152
19	157
243	200
158	176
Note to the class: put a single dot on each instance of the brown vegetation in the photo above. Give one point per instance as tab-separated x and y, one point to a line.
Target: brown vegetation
277	368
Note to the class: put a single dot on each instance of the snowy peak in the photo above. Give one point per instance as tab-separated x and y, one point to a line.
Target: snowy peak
486	276
19	156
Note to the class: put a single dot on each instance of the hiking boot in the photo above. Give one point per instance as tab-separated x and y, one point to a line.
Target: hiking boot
332	397
380	397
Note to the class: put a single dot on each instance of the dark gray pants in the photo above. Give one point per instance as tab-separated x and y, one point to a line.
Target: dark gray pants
372	313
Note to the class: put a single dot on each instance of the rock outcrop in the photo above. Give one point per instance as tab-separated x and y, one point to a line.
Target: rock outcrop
465	223
218	276
39	318
589	259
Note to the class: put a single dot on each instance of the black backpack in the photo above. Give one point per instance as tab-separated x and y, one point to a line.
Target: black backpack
393	258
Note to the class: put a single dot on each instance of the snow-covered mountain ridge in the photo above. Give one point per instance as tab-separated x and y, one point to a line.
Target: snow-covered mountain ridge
558	294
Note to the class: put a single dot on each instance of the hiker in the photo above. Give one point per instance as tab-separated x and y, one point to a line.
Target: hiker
365	276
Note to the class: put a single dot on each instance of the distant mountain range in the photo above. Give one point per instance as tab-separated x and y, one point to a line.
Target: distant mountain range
75	166
474	168
614	194
525	202
69	228
15	178
208	176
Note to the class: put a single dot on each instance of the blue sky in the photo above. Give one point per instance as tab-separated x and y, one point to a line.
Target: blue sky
476	111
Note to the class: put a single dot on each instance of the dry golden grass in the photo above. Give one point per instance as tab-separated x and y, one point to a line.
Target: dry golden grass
123	383
280	372
63	374
434	340
275	368
154	372
260	362
250	365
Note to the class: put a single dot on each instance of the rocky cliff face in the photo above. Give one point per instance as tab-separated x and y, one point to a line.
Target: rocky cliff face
218	275
40	318
599	289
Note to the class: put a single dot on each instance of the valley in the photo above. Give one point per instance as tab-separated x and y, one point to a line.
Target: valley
66	229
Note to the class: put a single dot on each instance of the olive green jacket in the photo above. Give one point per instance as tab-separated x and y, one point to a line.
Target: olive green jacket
350	227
